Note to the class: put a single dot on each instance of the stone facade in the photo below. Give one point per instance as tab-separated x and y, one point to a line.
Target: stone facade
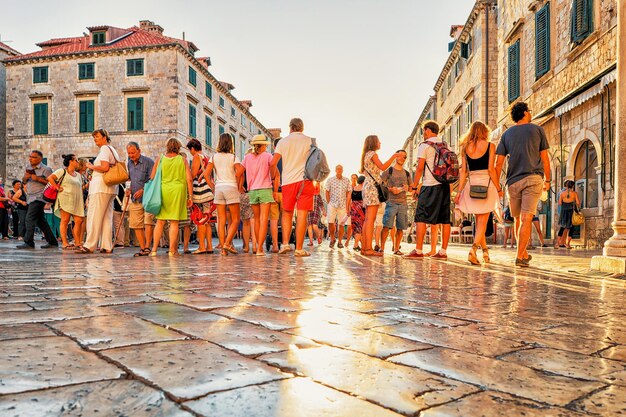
5	52
164	86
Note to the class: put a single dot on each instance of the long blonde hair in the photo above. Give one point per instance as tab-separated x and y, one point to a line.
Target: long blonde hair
371	144
477	131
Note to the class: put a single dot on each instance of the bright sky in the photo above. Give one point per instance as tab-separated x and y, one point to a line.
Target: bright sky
348	68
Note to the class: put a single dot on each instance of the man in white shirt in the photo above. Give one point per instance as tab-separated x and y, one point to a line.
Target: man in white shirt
338	197
297	192
433	204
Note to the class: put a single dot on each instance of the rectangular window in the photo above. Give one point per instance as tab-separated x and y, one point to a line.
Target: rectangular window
251	127
470	113
86	116
208	131
40	75
233	112
542	41
222	103
40	111
192	76
86	71
192	120
582	20
243	121
135	114
514	72
98	38
242	148
134	67
208	90
221	130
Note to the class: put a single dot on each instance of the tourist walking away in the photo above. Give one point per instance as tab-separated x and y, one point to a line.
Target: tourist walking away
293	150
357	211
5	206
176	192
69	204
276	206
228	173
568	203
202	195
140	221
371	167
348	220
261	191
338	198
433	200
528	173
101	195
479	185
35	180
20	207
314	218
398	181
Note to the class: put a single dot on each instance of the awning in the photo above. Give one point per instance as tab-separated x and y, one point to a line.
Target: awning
586	95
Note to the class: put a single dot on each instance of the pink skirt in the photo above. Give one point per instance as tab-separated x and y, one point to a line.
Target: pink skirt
476	205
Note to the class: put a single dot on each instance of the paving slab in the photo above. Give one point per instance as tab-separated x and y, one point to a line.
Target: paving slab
287	398
8	308
23	331
399	388
45	362
606	402
197	301
105	398
499	375
423	318
166	313
107	332
192	368
88	302
266	317
617	353
51	315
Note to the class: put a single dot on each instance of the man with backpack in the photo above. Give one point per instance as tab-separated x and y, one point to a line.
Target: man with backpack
398	181
438	166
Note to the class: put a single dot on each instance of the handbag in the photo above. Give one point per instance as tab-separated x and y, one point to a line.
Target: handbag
152	198
50	194
201	190
117	173
578	217
383	191
478	192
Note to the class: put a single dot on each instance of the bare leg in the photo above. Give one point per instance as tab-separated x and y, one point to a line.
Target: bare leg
173	235
274	233
368	227
420	233
399	234
287	220
301	223
261	226
201	231
445	236
331	231
234	223
525	228
384	235
158	232
221	223
186	238
65	220
78	226
434	237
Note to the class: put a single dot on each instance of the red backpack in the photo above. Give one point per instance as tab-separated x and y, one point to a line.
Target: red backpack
446	166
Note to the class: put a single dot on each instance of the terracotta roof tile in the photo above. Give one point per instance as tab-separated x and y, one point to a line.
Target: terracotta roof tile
7	48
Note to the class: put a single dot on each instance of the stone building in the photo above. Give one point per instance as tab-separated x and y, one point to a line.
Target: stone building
137	83
5	52
560	57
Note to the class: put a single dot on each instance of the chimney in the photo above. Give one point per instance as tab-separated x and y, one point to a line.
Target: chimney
227	86
275	132
455	31
246	103
150	26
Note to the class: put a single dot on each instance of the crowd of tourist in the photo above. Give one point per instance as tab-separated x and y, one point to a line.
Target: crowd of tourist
250	197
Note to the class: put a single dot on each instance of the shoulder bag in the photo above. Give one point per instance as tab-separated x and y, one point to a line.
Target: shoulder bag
201	190
578	218
117	173
152	197
383	191
50	194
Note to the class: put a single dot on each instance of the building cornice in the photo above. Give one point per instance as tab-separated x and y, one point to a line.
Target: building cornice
420	120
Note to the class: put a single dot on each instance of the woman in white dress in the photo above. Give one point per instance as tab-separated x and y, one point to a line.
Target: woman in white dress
69	184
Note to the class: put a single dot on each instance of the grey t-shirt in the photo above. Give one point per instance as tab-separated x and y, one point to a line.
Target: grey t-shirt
34	189
523	143
398	179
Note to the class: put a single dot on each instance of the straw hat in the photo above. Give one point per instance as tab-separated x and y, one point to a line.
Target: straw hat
259	140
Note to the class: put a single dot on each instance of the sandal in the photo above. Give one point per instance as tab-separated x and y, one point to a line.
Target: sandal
371	252
142	252
486	257
471	256
224	252
231	249
84	250
199	252
68	247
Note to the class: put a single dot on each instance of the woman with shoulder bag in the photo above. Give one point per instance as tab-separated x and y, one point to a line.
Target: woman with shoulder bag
479	185
69	184
20	207
568	203
202	195
371	167
101	195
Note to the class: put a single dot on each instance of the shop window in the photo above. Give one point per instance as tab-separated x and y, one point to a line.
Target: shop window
585	175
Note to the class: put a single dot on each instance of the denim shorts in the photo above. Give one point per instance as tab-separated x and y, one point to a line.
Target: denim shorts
397	212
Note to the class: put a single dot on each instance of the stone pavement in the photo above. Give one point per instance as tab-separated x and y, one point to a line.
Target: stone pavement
335	334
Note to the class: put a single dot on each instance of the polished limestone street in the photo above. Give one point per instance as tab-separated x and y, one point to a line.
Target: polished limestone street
335	334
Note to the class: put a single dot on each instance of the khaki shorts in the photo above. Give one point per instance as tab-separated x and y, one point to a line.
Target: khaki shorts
276	207
138	218
524	195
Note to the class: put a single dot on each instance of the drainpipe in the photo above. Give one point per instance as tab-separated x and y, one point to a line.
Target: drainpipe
611	145
603	171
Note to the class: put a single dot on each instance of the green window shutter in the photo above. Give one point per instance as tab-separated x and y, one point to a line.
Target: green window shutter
208	90
582	20
514	71
233	112
192	76
192	121
134	67
221	130
222	103
135	114
208	132
86	116
86	71
542	41
40	75
40	111
99	38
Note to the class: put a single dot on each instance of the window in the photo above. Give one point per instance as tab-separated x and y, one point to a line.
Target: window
192	120
134	117
514	72
86	71
134	67
208	90
208	131
98	38
457	68
85	116
469	111
243	120
40	118
233	112
585	175
221	130
582	20
222	103
40	75
251	127
542	41
192	76
242	149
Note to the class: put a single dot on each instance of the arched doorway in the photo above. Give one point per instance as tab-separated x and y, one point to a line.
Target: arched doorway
585	175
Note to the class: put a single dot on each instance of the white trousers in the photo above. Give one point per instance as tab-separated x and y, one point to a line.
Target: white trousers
100	221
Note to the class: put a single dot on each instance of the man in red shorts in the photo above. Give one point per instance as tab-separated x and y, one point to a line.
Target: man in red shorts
297	192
